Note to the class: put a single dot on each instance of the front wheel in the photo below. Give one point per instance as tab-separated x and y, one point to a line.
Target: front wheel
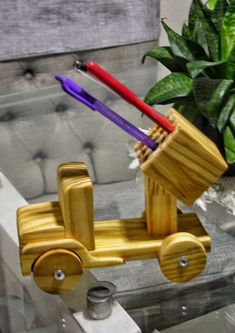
57	271
182	257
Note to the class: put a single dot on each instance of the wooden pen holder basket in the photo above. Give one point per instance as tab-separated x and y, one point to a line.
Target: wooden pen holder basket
185	163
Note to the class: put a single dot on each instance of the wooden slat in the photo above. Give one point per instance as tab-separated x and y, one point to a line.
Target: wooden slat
76	202
30	28
39	221
116	241
161	209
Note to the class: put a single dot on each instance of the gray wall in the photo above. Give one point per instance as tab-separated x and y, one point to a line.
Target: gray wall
175	13
30	28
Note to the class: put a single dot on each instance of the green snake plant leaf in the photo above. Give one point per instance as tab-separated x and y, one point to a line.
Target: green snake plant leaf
211	4
229	144
228	68
217	13
195	25
225	113
193	15
228	30
232	121
173	86
165	56
195	67
197	13
186	32
232	126
209	95
199	37
182	47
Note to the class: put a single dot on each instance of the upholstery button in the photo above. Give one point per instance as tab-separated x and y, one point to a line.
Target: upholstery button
7	117
61	107
88	148
87	151
38	158
28	74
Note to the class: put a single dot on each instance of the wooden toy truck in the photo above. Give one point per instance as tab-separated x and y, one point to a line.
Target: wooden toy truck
60	239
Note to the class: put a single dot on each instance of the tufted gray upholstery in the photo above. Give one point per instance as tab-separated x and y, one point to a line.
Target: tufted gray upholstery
41	127
37	136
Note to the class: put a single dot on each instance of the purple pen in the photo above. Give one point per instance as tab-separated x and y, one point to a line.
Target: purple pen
81	95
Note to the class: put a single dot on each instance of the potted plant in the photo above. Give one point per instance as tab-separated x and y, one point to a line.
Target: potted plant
201	60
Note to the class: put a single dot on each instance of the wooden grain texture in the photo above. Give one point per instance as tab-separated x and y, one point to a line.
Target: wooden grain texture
186	162
57	26
51	231
31	252
116	241
76	202
182	246
64	261
161	209
130	240
39	221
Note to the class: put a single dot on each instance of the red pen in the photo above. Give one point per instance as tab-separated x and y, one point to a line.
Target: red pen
99	73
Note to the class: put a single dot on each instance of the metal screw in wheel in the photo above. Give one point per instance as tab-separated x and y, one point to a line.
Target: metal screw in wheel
57	271
182	257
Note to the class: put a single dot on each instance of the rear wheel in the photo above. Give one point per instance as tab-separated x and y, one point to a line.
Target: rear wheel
57	271
182	257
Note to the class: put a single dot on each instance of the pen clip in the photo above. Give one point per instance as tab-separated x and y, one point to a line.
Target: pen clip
81	69
76	91
81	95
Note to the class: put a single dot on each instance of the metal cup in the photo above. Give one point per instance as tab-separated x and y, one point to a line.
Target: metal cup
99	300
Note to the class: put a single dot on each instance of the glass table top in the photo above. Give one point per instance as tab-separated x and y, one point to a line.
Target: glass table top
166	307
205	304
